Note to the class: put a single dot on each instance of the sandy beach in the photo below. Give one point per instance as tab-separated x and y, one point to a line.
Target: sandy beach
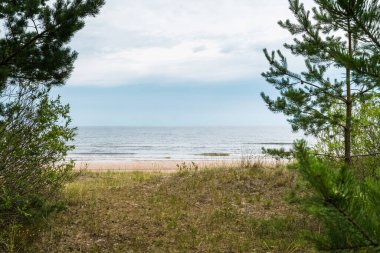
162	165
148	166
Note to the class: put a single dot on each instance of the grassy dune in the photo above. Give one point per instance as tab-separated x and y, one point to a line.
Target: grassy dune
212	210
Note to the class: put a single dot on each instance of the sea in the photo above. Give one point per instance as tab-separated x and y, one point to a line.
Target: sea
178	143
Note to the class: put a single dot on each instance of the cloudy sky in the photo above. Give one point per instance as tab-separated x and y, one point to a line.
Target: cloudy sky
176	63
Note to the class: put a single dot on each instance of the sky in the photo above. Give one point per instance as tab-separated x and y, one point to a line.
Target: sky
176	63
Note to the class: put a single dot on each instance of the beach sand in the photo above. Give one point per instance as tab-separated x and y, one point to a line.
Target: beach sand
160	165
148	166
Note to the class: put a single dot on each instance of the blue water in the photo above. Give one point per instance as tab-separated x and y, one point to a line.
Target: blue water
176	143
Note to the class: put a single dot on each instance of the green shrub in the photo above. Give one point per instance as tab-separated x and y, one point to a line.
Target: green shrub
34	131
365	139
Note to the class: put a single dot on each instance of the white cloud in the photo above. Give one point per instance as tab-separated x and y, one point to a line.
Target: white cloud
200	40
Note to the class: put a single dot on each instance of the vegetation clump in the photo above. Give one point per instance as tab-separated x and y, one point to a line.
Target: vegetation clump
34	126
348	207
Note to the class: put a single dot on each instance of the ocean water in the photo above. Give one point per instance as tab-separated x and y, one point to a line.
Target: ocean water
177	143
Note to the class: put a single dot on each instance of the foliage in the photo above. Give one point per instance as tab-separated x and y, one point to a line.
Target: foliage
349	208
365	139
34	130
363	16
308	97
343	113
278	154
186	168
34	38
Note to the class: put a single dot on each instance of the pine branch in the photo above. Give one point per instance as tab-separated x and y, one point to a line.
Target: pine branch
29	43
366	155
372	242
366	31
302	81
352	156
362	92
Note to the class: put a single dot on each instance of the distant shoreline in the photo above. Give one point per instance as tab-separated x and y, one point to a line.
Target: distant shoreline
178	144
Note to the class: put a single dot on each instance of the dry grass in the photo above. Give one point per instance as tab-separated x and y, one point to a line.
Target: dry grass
212	210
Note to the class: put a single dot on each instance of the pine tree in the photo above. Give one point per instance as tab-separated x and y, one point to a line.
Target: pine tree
34	38
337	36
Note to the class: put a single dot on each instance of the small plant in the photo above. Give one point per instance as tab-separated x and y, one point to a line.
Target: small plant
184	167
267	204
249	159
8	240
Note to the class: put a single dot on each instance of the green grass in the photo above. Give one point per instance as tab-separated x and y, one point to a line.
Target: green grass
212	210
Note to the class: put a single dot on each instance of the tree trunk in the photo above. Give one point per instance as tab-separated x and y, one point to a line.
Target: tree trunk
347	130
347	134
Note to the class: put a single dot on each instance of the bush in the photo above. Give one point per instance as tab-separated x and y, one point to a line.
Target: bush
34	131
365	139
